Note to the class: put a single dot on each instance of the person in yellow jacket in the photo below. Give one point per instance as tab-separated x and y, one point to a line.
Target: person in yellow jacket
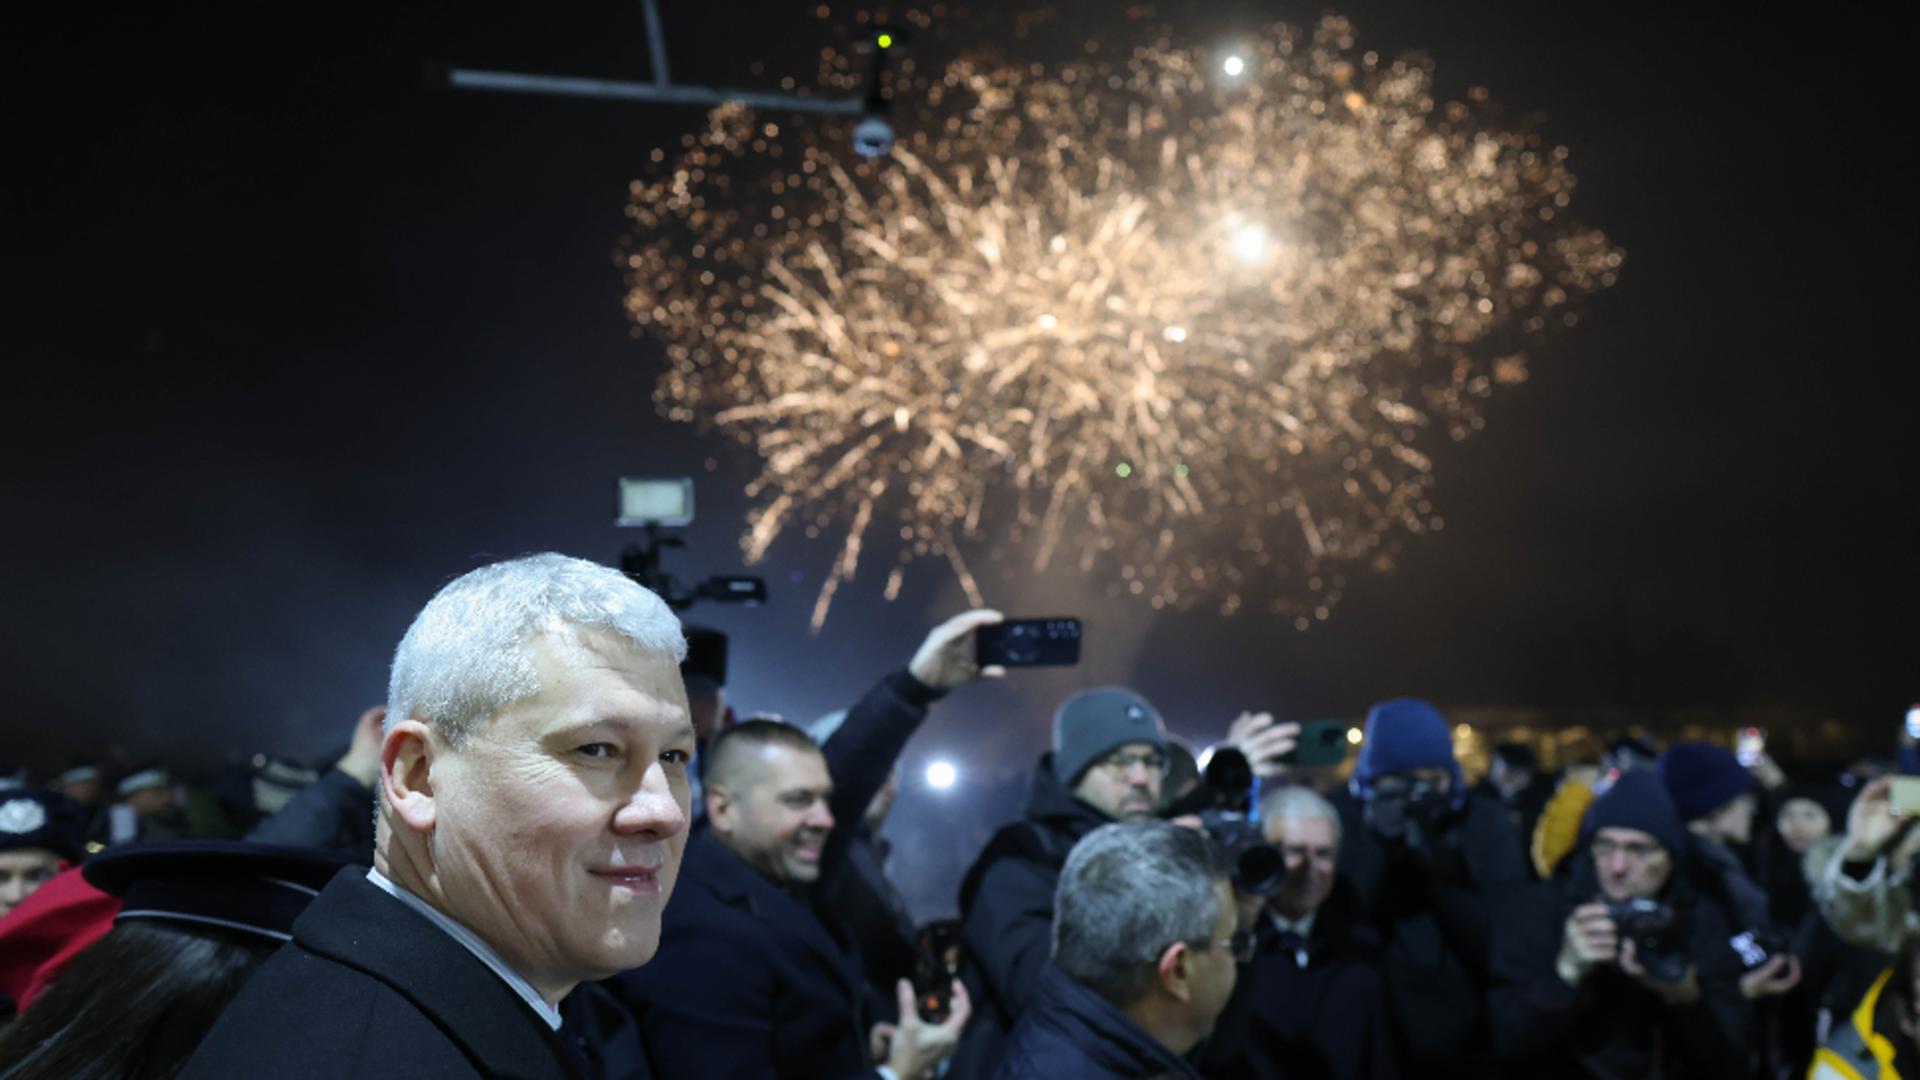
1879	1038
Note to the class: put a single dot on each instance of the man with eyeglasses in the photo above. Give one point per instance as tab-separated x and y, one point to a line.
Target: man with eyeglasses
1311	1005
1108	758
1144	952
1623	966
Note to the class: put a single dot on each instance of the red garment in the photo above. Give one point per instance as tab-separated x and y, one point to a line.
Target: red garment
49	928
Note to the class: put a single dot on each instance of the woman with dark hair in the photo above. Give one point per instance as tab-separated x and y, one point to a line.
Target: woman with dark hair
133	1005
195	920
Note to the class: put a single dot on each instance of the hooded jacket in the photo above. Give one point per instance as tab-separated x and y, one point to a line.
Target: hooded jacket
1070	1031
1006	914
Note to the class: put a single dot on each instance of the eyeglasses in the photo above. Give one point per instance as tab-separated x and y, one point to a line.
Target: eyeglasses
1637	850
1240	946
1122	764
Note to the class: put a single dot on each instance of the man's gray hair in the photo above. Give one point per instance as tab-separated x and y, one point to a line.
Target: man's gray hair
1127	893
467	654
1292	802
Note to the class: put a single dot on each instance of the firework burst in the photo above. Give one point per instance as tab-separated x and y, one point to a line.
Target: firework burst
1185	329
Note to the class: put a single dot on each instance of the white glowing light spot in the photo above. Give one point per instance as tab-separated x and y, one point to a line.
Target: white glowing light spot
1234	66
1176	334
1048	322
1250	243
941	775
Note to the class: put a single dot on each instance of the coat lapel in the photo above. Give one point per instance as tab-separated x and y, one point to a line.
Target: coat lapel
356	924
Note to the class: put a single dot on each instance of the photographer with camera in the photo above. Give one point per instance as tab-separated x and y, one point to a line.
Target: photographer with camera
1427	860
1623	966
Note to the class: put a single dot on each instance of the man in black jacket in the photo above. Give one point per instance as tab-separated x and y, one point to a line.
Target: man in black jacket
533	807
1106	765
1587	987
1144	948
755	977
1427	860
1312	1004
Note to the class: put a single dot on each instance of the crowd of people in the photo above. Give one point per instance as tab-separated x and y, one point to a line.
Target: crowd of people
553	852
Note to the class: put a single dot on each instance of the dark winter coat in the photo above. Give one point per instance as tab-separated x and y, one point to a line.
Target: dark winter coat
866	902
1611	1027
1006	913
1068	1031
369	988
752	980
1434	914
1326	1020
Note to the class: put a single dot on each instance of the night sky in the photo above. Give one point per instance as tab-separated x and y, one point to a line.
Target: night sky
295	338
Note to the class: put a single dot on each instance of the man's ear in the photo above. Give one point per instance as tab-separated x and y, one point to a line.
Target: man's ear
406	774
1176	971
719	809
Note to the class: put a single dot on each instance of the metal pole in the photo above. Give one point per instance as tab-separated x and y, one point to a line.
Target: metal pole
616	90
656	43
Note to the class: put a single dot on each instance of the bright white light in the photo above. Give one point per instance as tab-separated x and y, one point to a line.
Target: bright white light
1176	334
1250	243
941	775
1234	66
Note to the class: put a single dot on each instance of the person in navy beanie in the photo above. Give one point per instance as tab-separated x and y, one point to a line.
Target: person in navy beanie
1714	795
1580	992
1712	792
1426	857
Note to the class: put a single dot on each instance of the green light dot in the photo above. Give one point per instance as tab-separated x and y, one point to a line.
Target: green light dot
1123	470
886	41
1181	470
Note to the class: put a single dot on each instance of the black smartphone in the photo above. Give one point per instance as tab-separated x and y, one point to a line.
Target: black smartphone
1322	742
936	963
1029	643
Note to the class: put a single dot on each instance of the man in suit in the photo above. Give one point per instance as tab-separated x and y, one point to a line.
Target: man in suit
756	977
532	809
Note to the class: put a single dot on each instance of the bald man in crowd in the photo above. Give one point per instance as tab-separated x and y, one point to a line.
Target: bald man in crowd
756	977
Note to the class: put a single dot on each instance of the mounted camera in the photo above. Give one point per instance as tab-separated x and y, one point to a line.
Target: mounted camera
653	504
873	136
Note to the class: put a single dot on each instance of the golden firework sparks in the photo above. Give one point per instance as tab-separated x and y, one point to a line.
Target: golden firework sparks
1189	327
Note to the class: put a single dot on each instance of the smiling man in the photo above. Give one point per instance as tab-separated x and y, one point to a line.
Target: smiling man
758	977
532	811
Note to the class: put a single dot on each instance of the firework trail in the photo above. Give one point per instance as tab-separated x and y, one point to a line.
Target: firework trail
1185	329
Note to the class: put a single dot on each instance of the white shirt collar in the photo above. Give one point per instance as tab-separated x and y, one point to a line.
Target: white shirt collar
1283	924
479	948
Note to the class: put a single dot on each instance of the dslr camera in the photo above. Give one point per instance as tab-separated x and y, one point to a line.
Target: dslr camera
1658	942
1224	802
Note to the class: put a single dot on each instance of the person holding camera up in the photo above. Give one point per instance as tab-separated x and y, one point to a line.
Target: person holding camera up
1622	966
1427	860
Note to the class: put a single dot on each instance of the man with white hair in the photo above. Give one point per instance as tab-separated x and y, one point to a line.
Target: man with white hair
1144	952
1312	1003
532	808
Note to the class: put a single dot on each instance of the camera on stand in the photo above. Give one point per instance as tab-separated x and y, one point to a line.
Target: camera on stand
656	504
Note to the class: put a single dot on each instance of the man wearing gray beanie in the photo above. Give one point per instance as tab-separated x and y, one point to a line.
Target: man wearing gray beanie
1108	758
1107	763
